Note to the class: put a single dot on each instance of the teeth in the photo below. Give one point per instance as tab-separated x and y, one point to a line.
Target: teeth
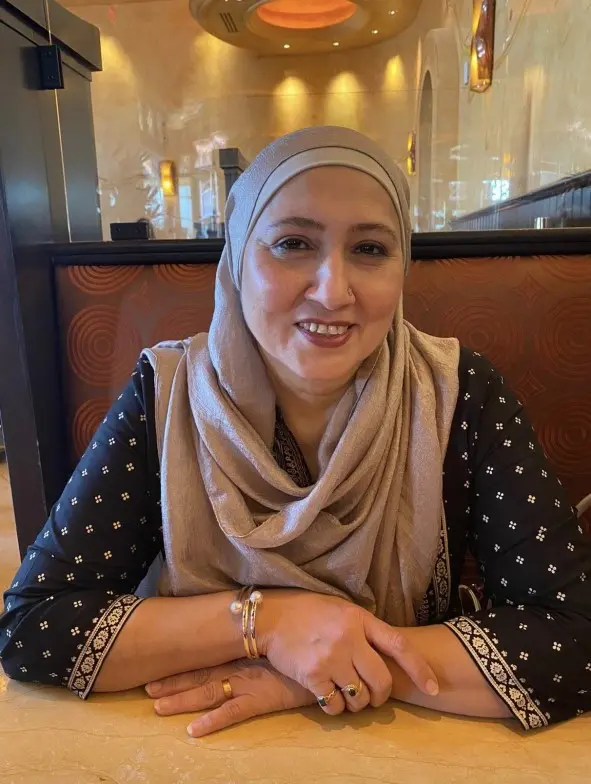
324	329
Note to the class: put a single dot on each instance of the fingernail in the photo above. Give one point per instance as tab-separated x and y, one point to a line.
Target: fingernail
190	730
432	688
154	688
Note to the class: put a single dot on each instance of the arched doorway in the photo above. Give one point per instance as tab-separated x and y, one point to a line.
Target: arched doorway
425	155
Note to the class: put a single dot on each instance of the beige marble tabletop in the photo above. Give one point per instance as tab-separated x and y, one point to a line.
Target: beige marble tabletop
48	736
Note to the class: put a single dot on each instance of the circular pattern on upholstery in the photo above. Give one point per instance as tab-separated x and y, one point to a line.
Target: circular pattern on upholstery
573	269
102	348
103	280
563	339
182	323
189	277
474	271
483	327
86	421
565	434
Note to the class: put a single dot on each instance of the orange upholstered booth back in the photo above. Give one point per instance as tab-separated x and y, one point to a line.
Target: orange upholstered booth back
531	316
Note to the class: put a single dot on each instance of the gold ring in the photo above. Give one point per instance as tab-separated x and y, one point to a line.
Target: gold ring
227	688
324	700
351	690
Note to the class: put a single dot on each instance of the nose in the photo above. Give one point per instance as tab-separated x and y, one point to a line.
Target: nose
331	284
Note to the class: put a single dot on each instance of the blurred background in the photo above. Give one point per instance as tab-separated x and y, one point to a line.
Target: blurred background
485	104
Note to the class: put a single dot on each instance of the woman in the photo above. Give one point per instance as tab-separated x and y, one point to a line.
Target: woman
320	449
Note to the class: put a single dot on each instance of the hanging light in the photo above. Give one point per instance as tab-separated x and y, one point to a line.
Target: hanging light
168	181
482	49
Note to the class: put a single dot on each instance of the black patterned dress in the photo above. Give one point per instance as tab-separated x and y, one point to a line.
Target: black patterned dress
530	634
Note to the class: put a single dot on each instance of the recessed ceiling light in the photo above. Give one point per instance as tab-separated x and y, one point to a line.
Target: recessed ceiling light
392	12
335	43
287	46
374	32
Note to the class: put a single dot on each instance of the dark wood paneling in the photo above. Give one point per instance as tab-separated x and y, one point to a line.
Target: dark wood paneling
16	400
481	244
22	144
81	39
139	252
79	152
29	152
34	216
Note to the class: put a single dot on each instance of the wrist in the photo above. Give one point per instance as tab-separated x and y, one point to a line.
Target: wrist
266	619
275	603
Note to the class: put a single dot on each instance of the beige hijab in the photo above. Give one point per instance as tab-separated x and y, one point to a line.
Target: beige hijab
368	529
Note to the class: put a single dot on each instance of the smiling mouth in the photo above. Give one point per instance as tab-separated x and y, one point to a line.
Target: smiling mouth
328	330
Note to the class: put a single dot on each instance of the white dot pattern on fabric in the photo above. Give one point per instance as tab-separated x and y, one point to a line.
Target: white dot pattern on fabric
499	497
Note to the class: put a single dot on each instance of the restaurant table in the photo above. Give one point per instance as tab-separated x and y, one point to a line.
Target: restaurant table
49	736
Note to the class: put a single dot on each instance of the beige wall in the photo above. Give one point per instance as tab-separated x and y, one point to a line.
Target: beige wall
533	126
170	90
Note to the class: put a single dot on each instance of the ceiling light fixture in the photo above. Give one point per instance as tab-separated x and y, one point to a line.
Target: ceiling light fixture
287	46
305	14
310	26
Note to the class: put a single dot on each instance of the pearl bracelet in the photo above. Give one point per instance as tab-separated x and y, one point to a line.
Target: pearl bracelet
246	605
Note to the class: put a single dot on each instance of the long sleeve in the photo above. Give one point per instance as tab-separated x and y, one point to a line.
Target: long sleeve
533	642
74	590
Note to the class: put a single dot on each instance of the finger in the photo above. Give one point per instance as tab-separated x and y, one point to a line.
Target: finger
336	704
177	683
374	672
205	697
361	699
393	642
231	712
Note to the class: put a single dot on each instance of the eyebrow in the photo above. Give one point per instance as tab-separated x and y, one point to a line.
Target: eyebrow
309	223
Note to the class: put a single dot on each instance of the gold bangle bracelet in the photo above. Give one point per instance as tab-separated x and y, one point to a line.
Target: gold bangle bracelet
249	614
245	605
252	627
256	598
246	629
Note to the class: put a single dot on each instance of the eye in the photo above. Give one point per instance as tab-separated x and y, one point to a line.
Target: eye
291	244
371	249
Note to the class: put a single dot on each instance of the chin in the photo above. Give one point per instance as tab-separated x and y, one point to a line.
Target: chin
325	372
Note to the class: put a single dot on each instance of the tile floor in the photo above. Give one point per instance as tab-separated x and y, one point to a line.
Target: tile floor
9	558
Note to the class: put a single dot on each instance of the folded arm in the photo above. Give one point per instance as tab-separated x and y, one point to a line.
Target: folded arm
530	649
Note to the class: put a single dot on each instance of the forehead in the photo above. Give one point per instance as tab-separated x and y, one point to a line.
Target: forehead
332	191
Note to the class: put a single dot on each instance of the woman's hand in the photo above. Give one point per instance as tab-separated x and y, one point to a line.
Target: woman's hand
326	644
256	687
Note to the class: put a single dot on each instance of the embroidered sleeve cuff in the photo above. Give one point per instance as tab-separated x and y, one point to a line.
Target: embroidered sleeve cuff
90	660
498	672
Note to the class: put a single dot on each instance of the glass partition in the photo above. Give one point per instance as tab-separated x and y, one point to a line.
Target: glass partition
485	104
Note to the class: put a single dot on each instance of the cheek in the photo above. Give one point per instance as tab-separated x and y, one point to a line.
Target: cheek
379	298
267	294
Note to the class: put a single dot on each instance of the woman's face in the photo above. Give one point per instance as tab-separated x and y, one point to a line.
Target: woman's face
322	276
